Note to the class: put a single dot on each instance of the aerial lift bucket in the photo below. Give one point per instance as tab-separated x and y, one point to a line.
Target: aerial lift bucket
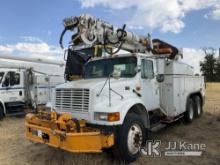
64	132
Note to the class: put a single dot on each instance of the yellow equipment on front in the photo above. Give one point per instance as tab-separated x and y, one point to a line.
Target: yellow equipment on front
62	131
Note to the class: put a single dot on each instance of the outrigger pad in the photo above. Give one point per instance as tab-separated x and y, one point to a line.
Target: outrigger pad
161	47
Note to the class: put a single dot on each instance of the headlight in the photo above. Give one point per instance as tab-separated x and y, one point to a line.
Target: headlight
107	116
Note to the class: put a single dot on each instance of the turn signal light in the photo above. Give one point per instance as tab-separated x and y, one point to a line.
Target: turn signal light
138	88
114	116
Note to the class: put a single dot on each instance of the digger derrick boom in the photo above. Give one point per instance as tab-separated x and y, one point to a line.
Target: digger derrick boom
95	34
91	31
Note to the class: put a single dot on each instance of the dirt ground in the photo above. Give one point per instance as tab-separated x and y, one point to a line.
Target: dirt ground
16	150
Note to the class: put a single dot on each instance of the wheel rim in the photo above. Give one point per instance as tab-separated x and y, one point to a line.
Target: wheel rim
191	113
134	140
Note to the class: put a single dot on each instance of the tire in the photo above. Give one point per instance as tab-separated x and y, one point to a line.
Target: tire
198	106
1	112
132	130
190	113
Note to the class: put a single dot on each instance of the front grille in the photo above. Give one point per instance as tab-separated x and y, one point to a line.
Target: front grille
72	100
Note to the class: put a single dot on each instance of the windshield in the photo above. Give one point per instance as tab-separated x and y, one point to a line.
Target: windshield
1	76
105	67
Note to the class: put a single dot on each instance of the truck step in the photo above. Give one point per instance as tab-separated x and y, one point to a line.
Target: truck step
158	127
170	120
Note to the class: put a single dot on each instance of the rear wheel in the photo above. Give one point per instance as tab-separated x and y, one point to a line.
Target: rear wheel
189	114
129	139
197	106
1	113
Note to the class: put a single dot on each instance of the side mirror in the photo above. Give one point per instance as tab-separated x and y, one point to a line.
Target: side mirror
47	79
160	78
137	69
116	73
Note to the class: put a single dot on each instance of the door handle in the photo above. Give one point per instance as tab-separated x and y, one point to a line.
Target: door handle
20	93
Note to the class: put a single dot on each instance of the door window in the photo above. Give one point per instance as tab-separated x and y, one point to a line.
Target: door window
147	70
1	76
11	79
16	79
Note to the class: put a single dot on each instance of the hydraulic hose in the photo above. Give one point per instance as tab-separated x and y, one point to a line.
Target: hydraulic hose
121	34
61	37
77	124
69	24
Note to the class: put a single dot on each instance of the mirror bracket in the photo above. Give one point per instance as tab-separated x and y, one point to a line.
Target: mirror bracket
160	78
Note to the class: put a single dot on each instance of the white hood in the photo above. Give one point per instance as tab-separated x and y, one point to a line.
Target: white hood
94	83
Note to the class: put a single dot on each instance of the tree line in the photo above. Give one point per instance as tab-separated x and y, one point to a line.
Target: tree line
210	67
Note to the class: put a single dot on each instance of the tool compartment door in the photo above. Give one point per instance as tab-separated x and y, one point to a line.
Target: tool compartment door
179	94
41	89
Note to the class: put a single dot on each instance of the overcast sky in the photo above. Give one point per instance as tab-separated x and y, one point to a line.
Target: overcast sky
33	27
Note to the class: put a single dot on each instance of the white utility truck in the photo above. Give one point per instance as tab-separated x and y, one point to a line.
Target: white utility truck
114	100
22	87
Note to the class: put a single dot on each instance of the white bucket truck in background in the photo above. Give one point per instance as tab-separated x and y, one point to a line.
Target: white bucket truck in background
22	87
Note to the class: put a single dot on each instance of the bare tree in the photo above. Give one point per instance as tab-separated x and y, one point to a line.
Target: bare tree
210	67
209	51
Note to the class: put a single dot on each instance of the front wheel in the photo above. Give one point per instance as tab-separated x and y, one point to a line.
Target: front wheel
129	138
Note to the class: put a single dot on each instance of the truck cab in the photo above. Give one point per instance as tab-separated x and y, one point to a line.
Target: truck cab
98	93
11	89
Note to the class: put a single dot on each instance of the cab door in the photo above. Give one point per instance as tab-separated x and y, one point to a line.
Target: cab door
13	89
149	85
